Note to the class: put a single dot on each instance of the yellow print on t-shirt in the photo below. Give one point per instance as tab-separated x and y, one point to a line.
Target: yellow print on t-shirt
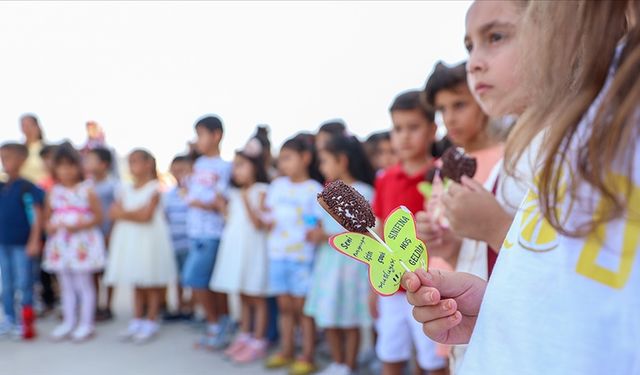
536	233
594	244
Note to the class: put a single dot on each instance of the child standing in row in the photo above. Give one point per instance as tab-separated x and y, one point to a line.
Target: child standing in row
176	209
412	137
75	246
20	230
242	265
140	252
338	296
295	211
206	191
98	163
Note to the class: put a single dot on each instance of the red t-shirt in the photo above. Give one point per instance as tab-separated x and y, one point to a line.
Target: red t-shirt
395	188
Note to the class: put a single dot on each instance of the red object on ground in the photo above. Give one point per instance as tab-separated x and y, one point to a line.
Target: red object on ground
28	323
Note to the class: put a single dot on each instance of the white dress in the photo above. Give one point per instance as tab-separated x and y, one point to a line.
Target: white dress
140	254
242	263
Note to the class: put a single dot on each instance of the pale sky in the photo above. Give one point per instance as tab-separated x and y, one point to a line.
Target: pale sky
147	70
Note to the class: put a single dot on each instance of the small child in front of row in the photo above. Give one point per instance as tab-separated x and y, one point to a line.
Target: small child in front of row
140	252
294	211
176	209
242	265
75	246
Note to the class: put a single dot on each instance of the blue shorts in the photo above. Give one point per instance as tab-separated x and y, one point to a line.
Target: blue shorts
198	267
181	258
289	277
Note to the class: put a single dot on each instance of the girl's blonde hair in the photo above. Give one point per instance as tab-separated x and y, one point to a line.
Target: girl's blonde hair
569	49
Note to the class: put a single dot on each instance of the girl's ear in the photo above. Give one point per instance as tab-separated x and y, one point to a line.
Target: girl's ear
343	161
307	157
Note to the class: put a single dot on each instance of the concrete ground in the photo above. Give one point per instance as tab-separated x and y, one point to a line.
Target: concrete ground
171	353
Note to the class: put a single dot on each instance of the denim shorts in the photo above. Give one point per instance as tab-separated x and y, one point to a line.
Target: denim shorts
198	267
289	277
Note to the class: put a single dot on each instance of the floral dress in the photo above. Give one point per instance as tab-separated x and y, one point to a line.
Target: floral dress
83	251
340	286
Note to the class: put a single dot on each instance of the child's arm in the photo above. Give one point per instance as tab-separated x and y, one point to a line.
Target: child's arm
141	215
35	235
255	216
96	210
218	204
475	213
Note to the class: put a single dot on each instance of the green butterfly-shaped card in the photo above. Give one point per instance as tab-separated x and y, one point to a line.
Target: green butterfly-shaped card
386	268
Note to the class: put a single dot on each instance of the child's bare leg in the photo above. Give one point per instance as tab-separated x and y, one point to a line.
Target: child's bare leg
205	298
393	368
245	314
261	317
336	344
308	331
138	302
155	296
221	304
352	347
287	325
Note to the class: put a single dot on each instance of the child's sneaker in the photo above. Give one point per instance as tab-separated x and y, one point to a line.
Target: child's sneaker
277	361
336	369
238	345
255	350
82	333
6	329
146	333
134	327
302	367
61	332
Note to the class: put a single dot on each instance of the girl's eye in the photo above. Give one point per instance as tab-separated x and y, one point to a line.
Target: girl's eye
495	37
468	46
459	105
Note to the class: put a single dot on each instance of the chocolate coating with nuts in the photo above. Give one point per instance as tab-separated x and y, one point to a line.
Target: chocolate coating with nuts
347	206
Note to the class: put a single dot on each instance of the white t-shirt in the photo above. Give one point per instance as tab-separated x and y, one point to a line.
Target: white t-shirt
291	205
211	176
561	305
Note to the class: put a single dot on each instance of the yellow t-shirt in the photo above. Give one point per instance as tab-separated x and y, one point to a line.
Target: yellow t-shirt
34	169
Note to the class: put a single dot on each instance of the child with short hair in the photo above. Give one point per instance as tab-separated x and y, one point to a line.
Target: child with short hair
98	163
75	246
412	137
206	192
21	212
176	209
467	125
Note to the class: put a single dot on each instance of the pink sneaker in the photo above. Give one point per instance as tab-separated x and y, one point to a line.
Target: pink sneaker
238	345
255	350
